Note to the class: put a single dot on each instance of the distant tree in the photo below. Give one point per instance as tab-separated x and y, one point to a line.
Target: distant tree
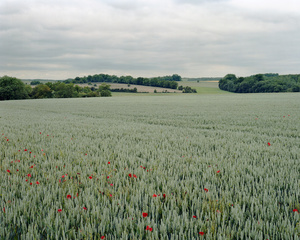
269	82
176	77
104	90
35	82
12	88
41	91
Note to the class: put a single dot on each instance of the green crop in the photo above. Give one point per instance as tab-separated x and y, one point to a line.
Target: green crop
201	167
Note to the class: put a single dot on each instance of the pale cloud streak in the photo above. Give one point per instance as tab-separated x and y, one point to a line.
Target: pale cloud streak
67	38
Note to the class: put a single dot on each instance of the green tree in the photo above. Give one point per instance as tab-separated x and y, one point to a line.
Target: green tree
104	90
41	91
35	82
12	88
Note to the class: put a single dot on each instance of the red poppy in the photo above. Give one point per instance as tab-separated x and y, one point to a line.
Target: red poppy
25	150
102	237
205	189
37	182
194	216
90	177
69	196
201	233
59	210
164	195
107	177
108	163
134	176
7	140
154	195
17	170
84	208
130	175
295	210
111	184
269	144
110	195
150	229
218	171
31	183
8	170
28	175
145	214
31	167
4	209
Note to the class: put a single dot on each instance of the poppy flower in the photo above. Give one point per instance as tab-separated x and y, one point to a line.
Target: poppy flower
149	228
201	233
194	216
62	176
17	170
25	150
7	140
108	163
218	171
164	195
145	214
31	167
4	209
111	184
84	208
134	176
110	195
69	196
130	175
90	177
295	210
28	175
107	177
205	189
102	237
8	170
269	144
37	182
31	183
59	210
154	195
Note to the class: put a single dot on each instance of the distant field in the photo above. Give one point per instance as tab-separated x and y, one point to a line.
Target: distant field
169	166
140	88
202	87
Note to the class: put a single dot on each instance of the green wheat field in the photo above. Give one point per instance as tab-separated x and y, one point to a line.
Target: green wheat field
212	166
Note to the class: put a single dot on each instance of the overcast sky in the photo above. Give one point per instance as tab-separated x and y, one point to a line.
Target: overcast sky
59	39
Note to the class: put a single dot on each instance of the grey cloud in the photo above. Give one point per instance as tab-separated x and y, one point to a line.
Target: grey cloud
61	39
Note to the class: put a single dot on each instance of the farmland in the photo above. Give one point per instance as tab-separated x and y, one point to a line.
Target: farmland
212	166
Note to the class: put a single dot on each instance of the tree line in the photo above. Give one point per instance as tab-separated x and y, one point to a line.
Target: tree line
259	83
13	88
165	81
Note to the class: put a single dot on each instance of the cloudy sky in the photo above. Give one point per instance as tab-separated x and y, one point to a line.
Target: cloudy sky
59	39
